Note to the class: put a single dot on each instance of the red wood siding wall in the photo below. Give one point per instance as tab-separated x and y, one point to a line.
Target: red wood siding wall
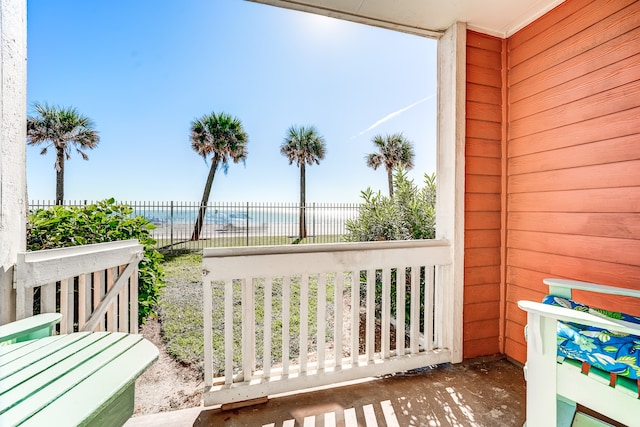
483	200
573	181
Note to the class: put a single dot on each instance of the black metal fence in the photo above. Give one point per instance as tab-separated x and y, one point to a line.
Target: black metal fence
236	224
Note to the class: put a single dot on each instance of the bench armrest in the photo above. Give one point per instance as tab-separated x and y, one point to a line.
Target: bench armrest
562	288
38	326
574	316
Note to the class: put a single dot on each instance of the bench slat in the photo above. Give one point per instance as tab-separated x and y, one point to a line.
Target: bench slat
33	363
117	376
97	351
33	327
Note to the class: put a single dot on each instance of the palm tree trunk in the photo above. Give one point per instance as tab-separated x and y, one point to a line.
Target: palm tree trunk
303	222
205	199
59	176
390	179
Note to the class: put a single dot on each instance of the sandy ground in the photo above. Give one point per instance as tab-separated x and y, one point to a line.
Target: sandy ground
167	385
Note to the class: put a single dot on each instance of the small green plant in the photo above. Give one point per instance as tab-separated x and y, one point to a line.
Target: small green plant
63	226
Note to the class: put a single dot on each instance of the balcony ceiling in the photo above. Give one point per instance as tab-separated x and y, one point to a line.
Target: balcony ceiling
430	18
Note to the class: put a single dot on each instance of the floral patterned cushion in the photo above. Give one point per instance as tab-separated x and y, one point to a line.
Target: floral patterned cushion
607	350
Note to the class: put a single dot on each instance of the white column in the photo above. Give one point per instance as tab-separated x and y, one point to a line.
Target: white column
451	184
13	107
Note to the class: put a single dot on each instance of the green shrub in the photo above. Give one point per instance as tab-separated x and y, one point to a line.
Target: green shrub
410	214
63	226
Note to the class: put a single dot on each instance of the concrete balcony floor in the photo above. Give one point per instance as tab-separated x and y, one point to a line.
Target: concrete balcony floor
474	393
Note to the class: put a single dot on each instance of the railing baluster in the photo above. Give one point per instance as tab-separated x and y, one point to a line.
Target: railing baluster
111	312
98	294
123	306
429	290
385	336
66	306
268	296
415	309
286	315
48	298
355	316
133	311
83	300
321	319
338	319
304	321
248	329
371	314
207	295
401	291
229	342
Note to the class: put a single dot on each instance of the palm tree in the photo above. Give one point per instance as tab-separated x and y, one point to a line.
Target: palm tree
61	128
303	145
222	137
393	151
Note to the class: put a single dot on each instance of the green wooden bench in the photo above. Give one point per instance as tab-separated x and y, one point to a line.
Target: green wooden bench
72	380
34	327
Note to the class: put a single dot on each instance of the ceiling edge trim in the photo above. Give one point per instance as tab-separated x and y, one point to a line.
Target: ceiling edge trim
302	7
529	19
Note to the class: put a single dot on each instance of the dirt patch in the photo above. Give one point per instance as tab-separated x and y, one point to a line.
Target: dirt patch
167	385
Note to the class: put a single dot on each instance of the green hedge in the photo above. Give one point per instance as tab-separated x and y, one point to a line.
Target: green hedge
105	221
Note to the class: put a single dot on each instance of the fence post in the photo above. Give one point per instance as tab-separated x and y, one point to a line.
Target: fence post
247	224
171	227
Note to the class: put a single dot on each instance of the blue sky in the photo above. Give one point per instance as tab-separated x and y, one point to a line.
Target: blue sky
143	70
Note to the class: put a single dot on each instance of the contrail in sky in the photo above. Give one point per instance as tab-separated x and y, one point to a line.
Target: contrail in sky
392	115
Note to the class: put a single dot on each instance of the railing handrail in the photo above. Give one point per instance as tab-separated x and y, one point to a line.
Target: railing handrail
228	263
41	267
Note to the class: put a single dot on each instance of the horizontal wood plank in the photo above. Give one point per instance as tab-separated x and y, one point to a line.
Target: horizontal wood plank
615	125
586	270
483	184
578	87
484	58
601	200
481	329
483	41
621	174
484	94
483	111
547	22
485	292
482	239
613	150
620	225
484	277
605	27
481	220
610	52
481	347
481	311
484	76
483	166
483	148
478	202
482	257
621	98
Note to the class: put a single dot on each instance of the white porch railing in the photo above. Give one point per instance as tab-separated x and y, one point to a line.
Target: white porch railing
296	317
94	287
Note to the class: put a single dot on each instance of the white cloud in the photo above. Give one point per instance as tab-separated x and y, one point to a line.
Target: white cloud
392	115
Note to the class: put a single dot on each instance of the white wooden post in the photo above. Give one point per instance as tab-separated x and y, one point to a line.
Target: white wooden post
450	174
13	157
541	359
